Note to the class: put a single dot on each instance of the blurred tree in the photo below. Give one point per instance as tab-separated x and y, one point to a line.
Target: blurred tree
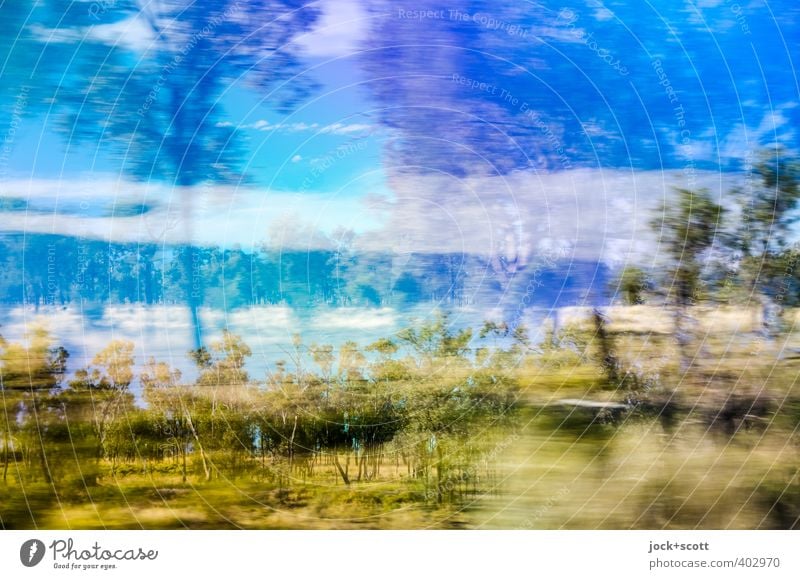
762	239
633	284
99	396
28	375
145	80
435	341
687	228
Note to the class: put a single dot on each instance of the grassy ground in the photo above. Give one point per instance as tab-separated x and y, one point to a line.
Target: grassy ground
161	501
702	469
712	446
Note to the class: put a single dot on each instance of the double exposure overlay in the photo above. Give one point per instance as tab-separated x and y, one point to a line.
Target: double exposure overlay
361	264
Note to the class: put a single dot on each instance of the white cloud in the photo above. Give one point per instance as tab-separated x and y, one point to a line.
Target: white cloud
742	141
163	332
581	214
337	128
345	129
89	188
298	127
339	31
134	33
297	159
602	14
355	319
219	214
261	125
559	34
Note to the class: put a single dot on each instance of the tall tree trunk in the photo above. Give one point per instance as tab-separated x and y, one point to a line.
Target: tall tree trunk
193	292
5	456
770	316
206	470
439	472
682	337
43	463
183	456
608	358
291	444
362	464
184	162
342	472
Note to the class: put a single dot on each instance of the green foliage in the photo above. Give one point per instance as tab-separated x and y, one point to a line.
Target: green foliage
769	213
224	364
711	256
429	425
633	283
770	205
361	406
687	228
435	340
35	366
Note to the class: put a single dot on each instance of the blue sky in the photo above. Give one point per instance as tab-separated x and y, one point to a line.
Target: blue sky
473	126
517	131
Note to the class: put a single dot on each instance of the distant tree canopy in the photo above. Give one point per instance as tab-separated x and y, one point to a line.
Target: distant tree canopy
41	270
632	283
736	248
226	423
150	99
687	227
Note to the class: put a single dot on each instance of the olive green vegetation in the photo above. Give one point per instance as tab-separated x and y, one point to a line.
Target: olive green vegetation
679	410
420	431
714	446
357	435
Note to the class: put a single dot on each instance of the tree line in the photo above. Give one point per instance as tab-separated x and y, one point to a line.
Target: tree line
416	400
41	270
738	247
